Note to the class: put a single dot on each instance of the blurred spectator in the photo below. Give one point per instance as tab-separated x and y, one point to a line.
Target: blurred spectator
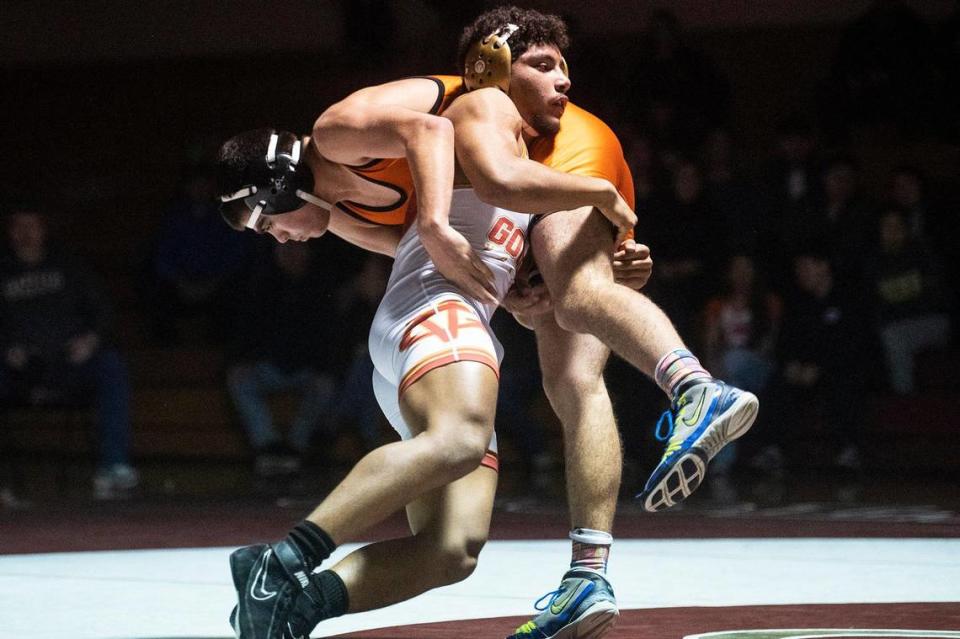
645	167
908	193
931	218
821	351
841	217
886	71
741	328
195	264
679	90
286	334
732	196
520	385
55	327
787	193
357	303
791	174
911	301
949	41
681	231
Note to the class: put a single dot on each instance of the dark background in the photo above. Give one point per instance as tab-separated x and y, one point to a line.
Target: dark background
106	104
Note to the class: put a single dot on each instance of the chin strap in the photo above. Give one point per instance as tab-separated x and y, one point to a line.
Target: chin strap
313	199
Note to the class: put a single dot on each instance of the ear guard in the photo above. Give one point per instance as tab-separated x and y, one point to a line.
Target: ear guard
276	184
488	61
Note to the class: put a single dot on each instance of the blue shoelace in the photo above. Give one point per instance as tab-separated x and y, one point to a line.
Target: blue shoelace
553	597
668	418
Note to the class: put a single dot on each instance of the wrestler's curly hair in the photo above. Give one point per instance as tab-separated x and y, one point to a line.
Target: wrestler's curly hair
535	28
233	160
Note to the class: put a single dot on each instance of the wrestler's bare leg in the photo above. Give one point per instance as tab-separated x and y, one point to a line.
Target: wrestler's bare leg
450	526
572	366
455	430
572	249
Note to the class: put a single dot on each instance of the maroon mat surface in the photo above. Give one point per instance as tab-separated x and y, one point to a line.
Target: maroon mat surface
675	623
132	525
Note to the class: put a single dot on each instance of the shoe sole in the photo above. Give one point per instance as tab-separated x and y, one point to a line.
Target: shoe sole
595	622
687	473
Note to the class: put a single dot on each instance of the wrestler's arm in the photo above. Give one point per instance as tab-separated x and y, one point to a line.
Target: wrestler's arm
393	121
487	127
370	237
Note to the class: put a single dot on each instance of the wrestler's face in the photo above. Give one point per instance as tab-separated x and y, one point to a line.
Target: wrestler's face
300	225
538	88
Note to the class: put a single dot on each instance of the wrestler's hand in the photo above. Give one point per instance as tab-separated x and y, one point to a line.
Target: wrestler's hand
632	264
619	213
525	302
458	262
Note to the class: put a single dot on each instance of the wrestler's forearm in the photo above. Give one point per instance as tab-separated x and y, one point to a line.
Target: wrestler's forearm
487	129
376	239
526	186
430	155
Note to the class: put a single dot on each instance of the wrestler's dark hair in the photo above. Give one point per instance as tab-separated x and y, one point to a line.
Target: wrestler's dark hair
233	160
535	28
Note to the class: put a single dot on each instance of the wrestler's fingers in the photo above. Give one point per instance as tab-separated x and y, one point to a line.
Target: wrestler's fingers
484	289
633	265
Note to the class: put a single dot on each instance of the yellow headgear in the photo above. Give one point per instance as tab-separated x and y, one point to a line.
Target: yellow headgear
488	61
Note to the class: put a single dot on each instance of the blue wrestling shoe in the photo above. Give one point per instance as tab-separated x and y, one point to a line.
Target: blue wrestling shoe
583	606
702	420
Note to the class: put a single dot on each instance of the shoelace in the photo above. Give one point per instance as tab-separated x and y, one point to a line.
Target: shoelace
553	597
666	417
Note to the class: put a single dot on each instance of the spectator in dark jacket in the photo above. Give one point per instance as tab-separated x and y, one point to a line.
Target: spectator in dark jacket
821	350
55	327
284	342
195	265
911	302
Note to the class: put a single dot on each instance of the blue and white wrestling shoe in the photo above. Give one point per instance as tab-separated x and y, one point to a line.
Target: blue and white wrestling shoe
702	420
583	606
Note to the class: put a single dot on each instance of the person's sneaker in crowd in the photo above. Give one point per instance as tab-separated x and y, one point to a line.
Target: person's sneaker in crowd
275	460
722	490
115	482
769	460
10	501
583	606
702	420
849	458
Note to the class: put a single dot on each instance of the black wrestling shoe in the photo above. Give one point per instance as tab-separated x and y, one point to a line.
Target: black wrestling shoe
269	579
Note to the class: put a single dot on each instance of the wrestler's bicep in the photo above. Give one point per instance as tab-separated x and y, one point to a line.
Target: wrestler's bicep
374	122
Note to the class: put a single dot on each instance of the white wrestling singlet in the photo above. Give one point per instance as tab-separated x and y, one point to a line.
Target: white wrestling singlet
425	322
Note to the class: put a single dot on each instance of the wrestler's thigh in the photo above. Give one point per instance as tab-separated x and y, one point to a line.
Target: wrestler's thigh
564	242
460	395
458	514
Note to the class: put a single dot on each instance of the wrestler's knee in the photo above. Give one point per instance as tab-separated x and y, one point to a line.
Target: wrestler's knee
457	559
460	442
568	391
577	303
